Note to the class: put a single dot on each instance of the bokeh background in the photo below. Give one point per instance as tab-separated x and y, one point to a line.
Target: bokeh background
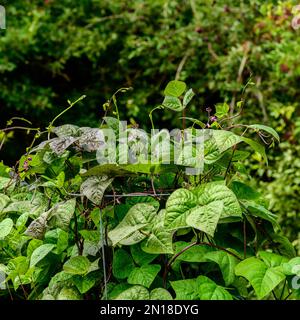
55	50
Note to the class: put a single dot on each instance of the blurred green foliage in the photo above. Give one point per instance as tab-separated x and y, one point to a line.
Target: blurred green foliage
55	50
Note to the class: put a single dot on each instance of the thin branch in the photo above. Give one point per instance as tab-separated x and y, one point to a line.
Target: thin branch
182	63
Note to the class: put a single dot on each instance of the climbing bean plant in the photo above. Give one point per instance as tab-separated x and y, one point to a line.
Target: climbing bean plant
76	226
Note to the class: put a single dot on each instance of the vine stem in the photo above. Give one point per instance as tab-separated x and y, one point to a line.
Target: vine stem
196	243
60	114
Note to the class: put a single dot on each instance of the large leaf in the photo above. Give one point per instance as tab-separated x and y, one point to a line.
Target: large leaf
257	147
172	103
144	275
40	253
217	142
109	169
267	129
62	213
262	278
94	187
69	130
272	259
122	264
243	191
77	265
261	212
37	227
209	290
205	218
139	256
292	267
183	202
91	139
68	294
226	263
85	283
4	200
185	289
137	218
215	191
188	97
160	294
6	227
193	254
175	88
134	293
178	207
160	239
59	145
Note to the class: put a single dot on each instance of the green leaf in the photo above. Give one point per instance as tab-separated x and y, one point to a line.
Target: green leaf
272	259
209	290
217	142
182	203
137	218
139	256
37	227
32	245
193	254
262	278
58	237
160	294
188	97
292	267
172	103
122	264
222	110
4	200
175	88
226	263
6	227
112	123
257	147
6	183
117	289
185	289
177	208
244	192
62	213
260	211
66	130
217	191
94	187
134	293
77	265
68	294
205	218
144	275
109	169
40	253
160	239
269	130
85	283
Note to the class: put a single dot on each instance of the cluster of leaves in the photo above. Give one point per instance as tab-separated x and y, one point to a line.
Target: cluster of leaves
73	227
49	49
